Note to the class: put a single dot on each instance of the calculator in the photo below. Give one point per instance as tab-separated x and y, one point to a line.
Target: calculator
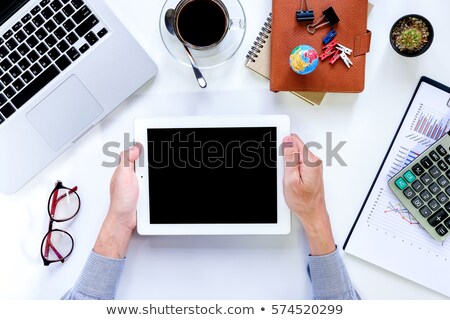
423	187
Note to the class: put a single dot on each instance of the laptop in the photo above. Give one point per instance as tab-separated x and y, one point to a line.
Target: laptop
64	66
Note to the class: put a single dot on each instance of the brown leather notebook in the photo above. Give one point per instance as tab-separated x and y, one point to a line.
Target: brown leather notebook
287	33
258	60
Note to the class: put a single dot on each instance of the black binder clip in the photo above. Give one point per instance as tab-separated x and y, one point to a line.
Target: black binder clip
304	15
328	15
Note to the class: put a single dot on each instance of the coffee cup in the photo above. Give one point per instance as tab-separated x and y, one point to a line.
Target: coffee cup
203	24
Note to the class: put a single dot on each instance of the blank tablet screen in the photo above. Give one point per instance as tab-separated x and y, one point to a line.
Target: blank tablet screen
212	175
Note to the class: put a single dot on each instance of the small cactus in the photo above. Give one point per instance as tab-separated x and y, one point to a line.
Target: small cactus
410	34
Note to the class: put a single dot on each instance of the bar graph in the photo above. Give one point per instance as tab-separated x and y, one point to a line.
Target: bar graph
432	126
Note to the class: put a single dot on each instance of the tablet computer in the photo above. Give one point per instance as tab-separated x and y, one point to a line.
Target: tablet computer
219	175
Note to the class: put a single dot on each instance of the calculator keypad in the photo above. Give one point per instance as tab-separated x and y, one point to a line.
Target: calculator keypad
424	188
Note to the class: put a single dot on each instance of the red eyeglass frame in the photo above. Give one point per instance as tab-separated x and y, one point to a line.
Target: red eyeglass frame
53	201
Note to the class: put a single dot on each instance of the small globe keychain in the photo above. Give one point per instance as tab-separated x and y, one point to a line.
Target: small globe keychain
303	59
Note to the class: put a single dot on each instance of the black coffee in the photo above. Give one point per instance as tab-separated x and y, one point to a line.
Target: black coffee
202	23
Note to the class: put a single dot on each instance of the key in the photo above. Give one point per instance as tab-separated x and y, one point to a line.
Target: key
20	36
438	217
425	211
435	173
47	13
54	54
69	25
36	69
87	25
35	86
63	62
41	34
7	110
442	181
23	49
9	92
18	84
442	165
50	26
15	71
35	10
426	162
409	193
81	14
38	21
441	150
56	5
72	38
26	18
59	18
92	39
24	64
11	44
63	46
14	57
441	230
434	188
8	34
77	3
27	77
68	10
33	56
417	186
6	79
3	52
2	99
51	41
425	195
442	198
44	61
434	156
417	202
32	41
102	33
434	205
426	179
73	54
84	48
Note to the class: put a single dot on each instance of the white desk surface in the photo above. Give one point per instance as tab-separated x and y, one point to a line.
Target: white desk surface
218	267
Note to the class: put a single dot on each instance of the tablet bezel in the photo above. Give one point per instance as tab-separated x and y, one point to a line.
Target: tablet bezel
282	125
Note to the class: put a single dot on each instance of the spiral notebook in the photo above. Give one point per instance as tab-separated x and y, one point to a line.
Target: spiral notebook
258	60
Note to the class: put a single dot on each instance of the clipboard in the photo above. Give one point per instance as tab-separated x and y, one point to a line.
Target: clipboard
384	233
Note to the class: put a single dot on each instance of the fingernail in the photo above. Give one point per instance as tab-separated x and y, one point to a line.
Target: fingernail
288	144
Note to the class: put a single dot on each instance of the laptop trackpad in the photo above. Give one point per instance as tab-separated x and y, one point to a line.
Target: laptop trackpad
64	113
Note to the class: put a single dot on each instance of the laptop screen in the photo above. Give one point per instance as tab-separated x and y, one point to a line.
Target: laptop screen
8	8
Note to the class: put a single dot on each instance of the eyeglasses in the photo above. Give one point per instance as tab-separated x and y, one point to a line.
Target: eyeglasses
63	205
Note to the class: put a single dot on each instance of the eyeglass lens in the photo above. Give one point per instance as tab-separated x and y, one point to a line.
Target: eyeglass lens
64	204
57	245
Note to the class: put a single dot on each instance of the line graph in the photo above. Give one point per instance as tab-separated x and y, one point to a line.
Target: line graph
401	212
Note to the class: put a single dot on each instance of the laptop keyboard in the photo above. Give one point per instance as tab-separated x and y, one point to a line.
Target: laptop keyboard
45	42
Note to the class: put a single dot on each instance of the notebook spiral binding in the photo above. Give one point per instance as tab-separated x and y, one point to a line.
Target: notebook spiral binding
260	39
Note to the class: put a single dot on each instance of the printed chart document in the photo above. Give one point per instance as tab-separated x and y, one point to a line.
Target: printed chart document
385	233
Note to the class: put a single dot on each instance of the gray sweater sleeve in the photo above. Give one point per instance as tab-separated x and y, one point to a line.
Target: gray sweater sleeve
329	277
98	280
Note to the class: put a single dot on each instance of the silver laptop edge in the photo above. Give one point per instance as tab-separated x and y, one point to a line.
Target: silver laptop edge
74	101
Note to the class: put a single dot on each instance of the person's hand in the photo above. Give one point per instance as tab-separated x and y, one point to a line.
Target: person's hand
304	194
120	222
